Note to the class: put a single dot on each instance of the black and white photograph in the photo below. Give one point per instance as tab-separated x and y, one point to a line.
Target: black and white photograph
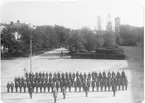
77	51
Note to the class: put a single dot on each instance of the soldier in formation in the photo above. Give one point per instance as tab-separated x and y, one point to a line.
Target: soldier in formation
44	82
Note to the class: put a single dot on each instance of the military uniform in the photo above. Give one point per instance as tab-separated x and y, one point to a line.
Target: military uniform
20	86
8	87
86	88
109	83
57	85
114	89
26	75
118	83
44	86
16	86
105	83
101	84
77	74
97	85
113	74
30	89
109	74
73	75
61	84
123	74
64	92
12	86
69	85
48	86
93	85
100	76
46	74
88	84
24	86
50	75
36	75
54	94
39	74
41	86
75	85
85	75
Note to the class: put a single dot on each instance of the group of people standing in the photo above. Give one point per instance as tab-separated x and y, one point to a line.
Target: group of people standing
63	82
44	82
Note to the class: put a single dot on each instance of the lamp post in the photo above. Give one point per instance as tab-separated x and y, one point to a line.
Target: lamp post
32	28
30	53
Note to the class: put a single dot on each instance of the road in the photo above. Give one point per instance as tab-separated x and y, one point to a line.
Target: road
52	62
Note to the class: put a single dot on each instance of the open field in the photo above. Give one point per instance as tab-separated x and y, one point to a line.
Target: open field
47	62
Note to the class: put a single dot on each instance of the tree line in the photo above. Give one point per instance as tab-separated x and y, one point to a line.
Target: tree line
47	37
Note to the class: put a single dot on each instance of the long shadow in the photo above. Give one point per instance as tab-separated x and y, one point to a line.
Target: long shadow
47	100
17	98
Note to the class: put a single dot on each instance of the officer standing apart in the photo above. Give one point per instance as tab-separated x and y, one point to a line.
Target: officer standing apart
86	88
30	89
114	87
63	92
54	93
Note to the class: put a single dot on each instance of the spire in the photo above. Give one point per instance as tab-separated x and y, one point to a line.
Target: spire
109	23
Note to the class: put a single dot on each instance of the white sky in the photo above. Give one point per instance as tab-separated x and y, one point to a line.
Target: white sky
72	14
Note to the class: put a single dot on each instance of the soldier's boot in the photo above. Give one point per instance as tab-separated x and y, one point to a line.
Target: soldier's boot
93	89
11	90
122	87
20	90
54	100
97	89
69	89
119	87
109	88
101	88
30	95
86	93
105	88
125	87
16	89
63	96
40	89
8	90
36	89
75	89
113	93
44	89
51	89
48	89
33	89
24	89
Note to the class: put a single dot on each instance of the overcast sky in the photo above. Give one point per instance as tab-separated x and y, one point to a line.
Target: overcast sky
72	14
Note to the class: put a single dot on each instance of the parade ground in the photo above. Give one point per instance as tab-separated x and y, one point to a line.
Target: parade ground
52	62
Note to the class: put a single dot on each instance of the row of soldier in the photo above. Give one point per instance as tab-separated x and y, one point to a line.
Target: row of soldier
74	75
93	81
